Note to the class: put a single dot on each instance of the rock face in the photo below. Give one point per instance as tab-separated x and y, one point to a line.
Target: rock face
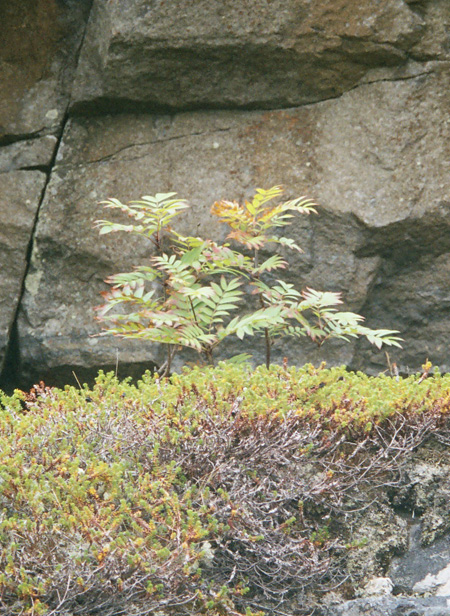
392	606
346	103
38	53
20	194
252	53
425	569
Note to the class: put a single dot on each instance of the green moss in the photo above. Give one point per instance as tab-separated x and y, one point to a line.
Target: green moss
155	493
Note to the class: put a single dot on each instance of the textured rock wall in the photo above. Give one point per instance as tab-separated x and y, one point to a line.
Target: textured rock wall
39	49
346	102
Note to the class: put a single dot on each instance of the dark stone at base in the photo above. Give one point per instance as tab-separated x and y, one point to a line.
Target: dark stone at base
418	563
392	606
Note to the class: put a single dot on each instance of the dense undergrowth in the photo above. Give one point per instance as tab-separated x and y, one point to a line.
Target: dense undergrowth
219	491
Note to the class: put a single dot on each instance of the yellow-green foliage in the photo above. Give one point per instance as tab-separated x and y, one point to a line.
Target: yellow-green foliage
166	494
188	293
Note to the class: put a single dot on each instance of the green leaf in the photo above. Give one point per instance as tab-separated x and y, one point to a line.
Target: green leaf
193	255
286	241
238	360
378	337
273	262
263	196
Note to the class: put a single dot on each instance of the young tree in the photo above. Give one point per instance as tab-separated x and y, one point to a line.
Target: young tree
190	294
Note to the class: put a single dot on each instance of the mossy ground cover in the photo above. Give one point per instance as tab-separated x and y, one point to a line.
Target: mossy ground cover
220	491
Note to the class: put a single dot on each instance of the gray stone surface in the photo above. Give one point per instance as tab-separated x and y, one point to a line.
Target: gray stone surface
425	491
376	160
392	606
423	569
221	53
375	157
20	193
28	153
39	45
38	53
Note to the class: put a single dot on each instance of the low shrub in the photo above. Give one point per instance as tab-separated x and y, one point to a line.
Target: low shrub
205	492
